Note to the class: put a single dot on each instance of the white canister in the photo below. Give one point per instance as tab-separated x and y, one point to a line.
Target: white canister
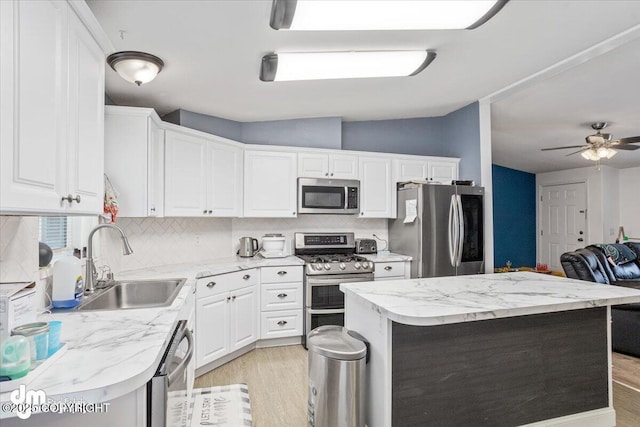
67	282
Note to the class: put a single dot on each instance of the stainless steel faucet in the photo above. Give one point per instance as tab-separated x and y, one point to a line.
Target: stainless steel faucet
91	273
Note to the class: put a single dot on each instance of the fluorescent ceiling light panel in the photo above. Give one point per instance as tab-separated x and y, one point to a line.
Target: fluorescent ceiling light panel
323	15
343	65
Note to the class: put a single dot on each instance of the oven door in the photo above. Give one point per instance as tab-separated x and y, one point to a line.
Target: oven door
323	292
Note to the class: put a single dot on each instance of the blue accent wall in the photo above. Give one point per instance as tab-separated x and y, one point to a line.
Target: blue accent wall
514	217
455	135
323	132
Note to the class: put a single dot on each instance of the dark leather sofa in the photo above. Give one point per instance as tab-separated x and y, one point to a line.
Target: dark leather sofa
592	264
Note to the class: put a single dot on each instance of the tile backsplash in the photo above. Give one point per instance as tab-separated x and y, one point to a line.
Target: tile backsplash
18	249
161	241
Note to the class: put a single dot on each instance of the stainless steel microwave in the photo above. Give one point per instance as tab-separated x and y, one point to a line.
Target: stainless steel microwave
328	196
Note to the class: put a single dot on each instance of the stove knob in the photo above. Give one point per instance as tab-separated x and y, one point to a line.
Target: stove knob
327	266
342	266
357	266
365	265
317	267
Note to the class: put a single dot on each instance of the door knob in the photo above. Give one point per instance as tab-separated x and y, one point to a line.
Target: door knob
70	198
580	239
581	232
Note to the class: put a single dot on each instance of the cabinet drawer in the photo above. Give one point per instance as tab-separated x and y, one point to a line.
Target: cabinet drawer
278	324
226	282
389	269
290	273
277	296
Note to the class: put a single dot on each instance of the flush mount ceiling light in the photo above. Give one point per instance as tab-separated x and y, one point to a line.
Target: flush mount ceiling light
313	15
343	65
135	67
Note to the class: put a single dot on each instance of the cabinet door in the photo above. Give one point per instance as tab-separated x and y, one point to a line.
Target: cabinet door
185	180
408	170
343	166
225	180
212	331
270	184
155	170
244	317
33	105
86	120
376	188
443	172
313	165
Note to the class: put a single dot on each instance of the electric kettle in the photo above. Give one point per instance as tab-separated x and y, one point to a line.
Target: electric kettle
248	247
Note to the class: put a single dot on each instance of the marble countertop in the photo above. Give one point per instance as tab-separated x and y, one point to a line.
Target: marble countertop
112	353
443	300
109	354
390	257
213	267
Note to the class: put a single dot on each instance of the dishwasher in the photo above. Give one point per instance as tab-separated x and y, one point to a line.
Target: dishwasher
168	394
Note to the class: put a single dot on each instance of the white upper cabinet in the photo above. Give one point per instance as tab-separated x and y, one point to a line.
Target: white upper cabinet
225	195
377	189
134	159
51	115
203	176
270	184
443	171
186	160
437	170
319	165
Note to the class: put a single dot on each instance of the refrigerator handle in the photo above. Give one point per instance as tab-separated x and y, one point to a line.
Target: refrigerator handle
453	239
461	227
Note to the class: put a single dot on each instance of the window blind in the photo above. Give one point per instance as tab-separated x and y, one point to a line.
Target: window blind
54	231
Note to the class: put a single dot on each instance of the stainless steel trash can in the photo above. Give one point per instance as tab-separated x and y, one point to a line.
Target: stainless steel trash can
337	374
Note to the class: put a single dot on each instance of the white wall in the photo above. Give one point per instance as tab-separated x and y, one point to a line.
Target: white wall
629	193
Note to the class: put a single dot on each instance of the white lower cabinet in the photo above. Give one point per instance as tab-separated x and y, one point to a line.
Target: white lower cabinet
394	270
281	302
227	314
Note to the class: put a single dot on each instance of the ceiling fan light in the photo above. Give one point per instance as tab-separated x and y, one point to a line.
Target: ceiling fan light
586	154
590	154
135	67
612	153
343	65
347	15
603	152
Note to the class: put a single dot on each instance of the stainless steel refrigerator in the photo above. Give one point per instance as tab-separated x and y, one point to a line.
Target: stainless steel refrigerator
441	227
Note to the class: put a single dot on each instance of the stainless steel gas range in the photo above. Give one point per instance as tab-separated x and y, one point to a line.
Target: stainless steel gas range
330	259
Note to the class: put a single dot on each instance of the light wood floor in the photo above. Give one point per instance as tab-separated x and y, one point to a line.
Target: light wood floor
277	380
626	390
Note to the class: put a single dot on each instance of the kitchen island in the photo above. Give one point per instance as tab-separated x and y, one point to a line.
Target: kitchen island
487	350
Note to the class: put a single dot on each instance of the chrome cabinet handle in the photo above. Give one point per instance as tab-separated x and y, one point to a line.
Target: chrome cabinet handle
228	299
153	209
246	277
388	268
204	211
70	198
326	174
282	295
233	298
331	173
293	213
211	284
282	323
282	273
210	211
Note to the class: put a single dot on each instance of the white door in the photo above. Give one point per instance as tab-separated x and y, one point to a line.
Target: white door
376	188
443	172
563	214
343	166
313	165
270	184
185	175
212	332
86	119
33	105
244	317
226	180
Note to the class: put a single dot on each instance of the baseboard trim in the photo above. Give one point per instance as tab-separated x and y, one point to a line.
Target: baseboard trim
278	342
224	359
605	417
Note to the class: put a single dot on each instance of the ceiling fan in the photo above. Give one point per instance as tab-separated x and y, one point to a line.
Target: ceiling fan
601	145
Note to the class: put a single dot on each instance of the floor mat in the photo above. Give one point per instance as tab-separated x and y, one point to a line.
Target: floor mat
227	406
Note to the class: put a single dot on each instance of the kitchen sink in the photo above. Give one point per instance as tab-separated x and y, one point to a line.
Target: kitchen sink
134	294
